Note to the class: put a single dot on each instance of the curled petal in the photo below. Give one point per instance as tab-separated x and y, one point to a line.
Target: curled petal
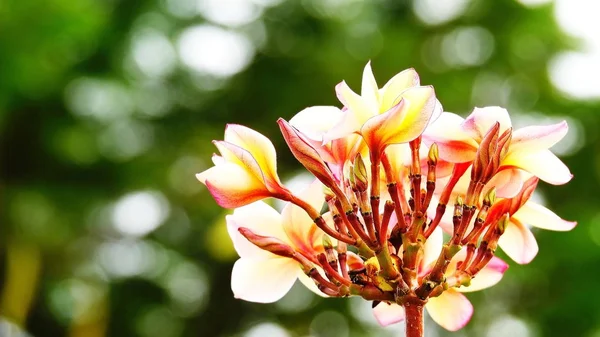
539	216
452	310
395	86
518	242
536	138
235	154
262	219
232	186
543	164
259	146
263	280
403	122
488	276
387	314
481	120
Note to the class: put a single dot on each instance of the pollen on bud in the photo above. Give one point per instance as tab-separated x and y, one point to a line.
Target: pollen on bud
433	155
490	198
268	243
360	174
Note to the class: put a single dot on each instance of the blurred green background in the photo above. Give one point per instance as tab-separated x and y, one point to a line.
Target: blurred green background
108	107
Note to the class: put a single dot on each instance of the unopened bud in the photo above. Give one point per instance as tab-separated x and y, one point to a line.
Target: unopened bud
360	173
327	244
490	198
268	243
502	223
433	155
352	179
504	143
329	195
458	206
485	152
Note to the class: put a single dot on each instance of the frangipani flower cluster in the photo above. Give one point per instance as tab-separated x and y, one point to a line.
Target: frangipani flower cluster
392	172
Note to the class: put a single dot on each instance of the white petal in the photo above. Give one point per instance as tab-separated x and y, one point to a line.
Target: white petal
395	86
518	242
452	310
369	90
298	226
490	275
315	121
543	164
536	138
309	283
479	122
263	280
433	247
261	219
539	216
387	314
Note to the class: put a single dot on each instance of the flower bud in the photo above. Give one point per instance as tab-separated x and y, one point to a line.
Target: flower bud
490	198
268	243
359	172
306	154
433	155
487	148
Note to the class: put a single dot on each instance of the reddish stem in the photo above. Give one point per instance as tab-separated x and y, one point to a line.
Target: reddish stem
414	317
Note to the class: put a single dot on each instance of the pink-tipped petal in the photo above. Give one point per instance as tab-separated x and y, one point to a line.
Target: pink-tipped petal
454	144
482	119
539	216
452	310
543	164
387	314
395	86
518	242
536	138
507	182
231	186
263	280
490	275
259	217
